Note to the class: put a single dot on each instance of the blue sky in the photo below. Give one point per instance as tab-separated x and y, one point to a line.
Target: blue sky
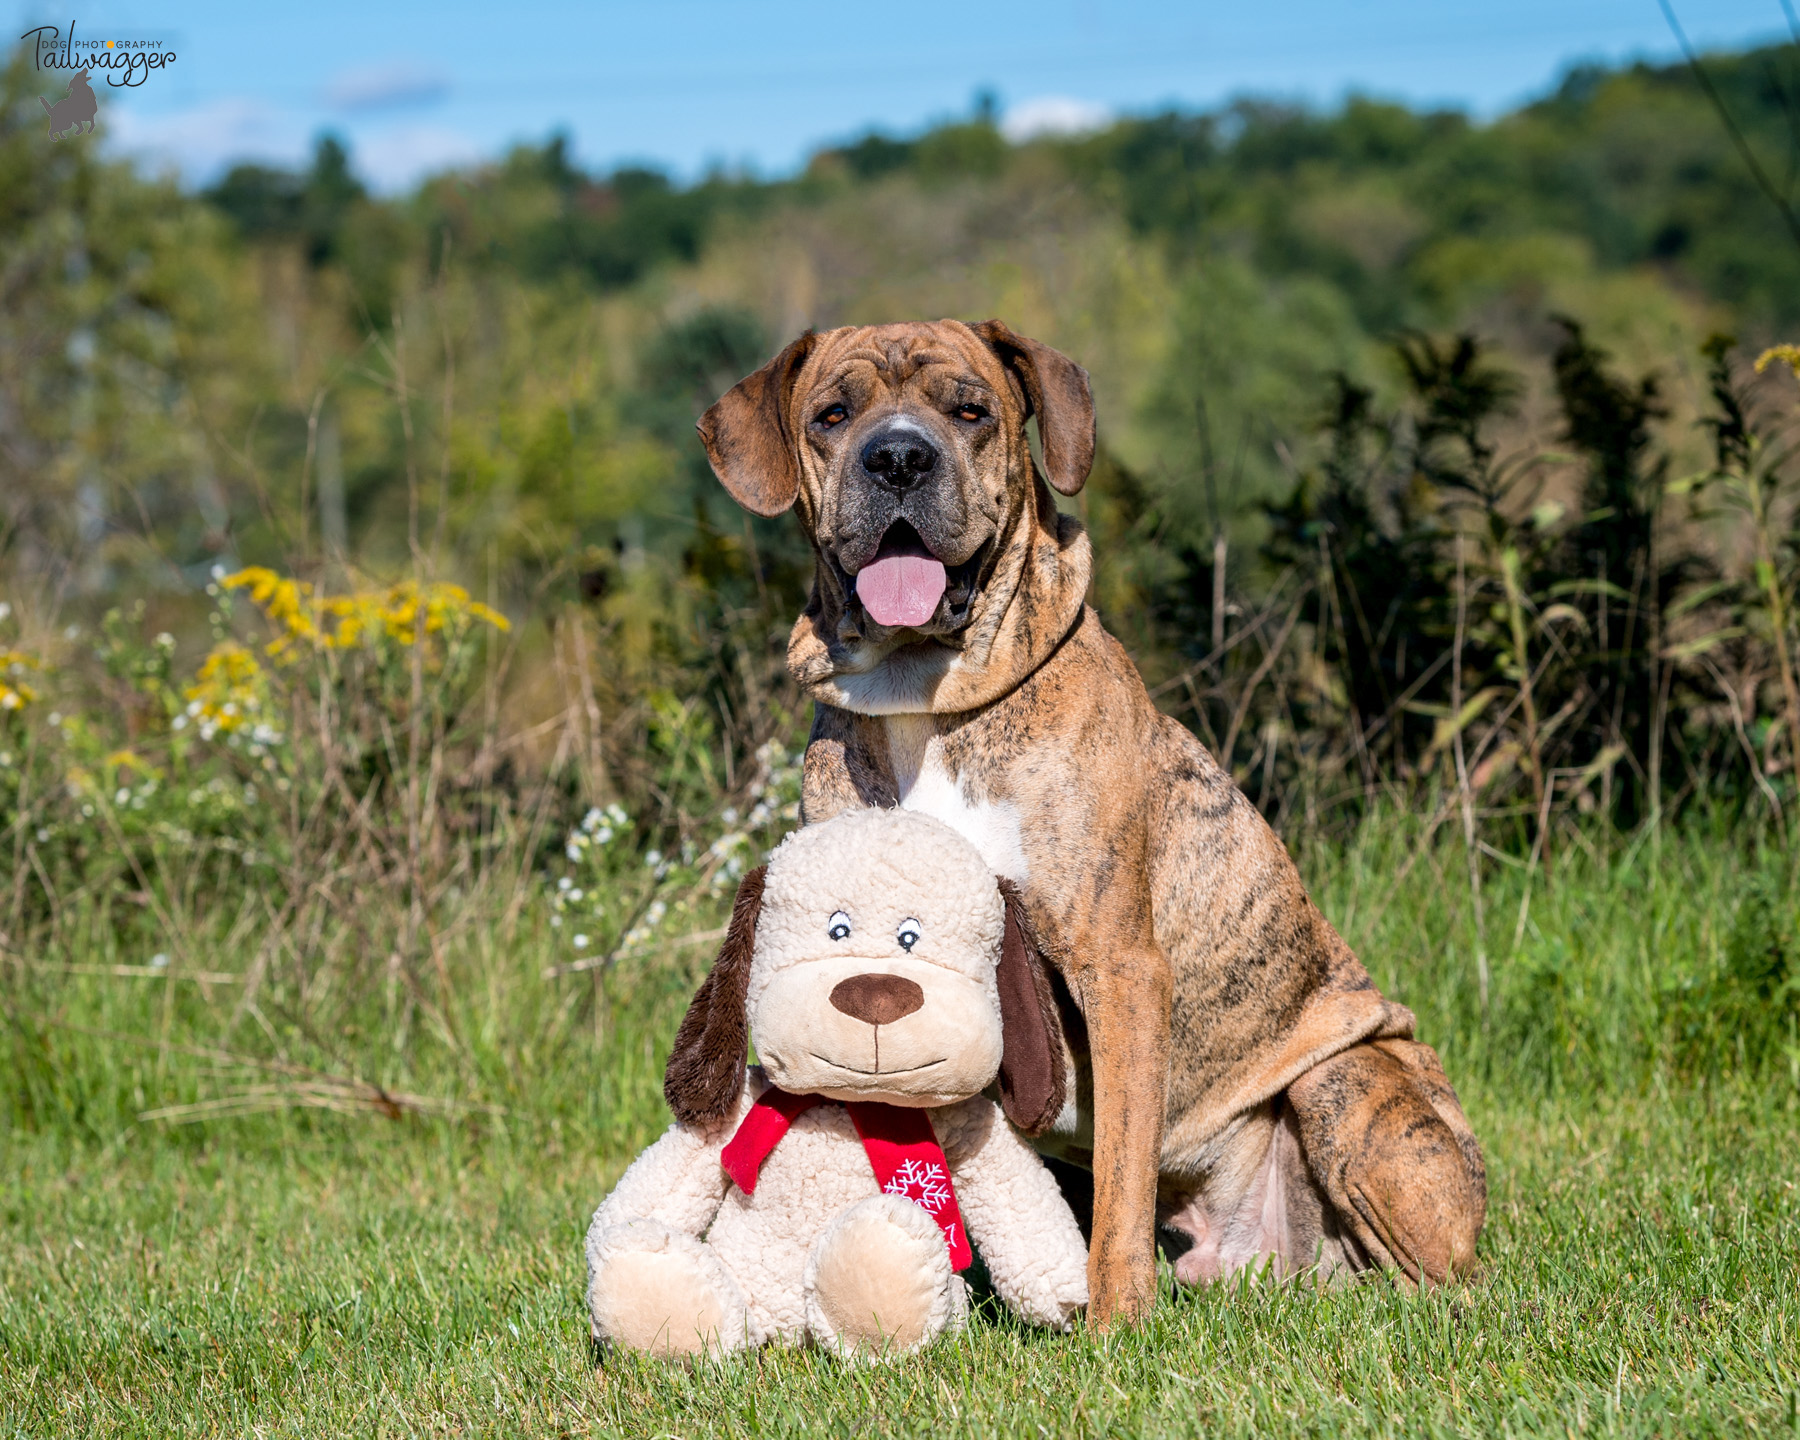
692	83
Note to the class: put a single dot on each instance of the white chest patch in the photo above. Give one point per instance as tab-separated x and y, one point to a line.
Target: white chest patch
926	785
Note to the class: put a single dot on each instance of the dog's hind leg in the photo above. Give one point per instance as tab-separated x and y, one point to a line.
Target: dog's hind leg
1385	1136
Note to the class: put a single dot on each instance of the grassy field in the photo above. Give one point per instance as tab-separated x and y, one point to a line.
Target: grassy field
291	1271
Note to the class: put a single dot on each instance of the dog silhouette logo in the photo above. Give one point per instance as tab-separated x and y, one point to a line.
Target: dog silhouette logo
76	109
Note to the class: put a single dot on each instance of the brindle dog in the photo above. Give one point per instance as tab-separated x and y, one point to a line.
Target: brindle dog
1237	1076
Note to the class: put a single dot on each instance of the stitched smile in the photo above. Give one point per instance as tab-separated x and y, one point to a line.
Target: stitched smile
878	1074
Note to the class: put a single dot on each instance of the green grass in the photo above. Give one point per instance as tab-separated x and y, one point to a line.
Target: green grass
307	1273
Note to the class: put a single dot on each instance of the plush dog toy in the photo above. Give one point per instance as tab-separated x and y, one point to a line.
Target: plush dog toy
886	979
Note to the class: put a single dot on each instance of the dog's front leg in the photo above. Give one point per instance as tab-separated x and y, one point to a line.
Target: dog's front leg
1125	996
845	766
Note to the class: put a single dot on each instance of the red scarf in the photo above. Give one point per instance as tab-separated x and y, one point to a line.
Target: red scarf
901	1145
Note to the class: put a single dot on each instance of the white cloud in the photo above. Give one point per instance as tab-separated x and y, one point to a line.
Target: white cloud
393	160
201	141
1053	115
387	86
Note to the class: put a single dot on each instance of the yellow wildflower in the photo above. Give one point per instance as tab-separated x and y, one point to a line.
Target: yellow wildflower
15	693
300	616
288	604
395	612
227	692
1788	355
130	760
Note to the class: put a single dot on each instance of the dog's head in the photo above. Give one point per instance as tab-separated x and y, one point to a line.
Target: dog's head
904	450
875	957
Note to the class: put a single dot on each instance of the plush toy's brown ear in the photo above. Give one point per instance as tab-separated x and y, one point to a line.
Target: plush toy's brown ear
1033	1082
748	438
1056	391
706	1068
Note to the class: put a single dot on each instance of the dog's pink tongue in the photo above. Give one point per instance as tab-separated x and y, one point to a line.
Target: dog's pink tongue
902	589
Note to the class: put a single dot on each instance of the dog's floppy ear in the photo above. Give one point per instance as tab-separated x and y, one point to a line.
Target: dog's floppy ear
748	438
1033	1082
706	1068
1056	391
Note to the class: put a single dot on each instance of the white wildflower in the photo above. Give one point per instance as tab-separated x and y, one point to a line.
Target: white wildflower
580	942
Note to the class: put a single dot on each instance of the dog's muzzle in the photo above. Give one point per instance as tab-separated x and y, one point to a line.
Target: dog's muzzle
899	458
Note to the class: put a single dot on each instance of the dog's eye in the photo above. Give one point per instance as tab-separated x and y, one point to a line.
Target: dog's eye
971	413
909	934
838	925
833	415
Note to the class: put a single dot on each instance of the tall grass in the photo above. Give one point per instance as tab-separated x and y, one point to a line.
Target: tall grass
1651	963
209	1227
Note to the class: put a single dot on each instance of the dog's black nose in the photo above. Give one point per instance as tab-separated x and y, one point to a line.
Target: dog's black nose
877	999
899	458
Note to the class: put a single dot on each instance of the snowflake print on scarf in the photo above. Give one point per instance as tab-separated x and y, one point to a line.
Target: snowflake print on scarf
924	1182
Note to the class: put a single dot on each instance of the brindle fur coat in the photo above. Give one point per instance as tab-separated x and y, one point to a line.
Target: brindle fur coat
1237	1076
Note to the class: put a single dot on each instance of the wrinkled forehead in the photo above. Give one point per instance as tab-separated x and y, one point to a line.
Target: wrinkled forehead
868	363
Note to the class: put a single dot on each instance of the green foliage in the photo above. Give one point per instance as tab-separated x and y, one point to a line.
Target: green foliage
300	1220
297	838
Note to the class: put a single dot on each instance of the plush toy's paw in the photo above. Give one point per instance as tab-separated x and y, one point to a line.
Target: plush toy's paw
654	1289
879	1283
1065	1297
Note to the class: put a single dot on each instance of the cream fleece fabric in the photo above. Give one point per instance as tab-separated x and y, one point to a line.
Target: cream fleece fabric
884	875
787	1255
1010	1205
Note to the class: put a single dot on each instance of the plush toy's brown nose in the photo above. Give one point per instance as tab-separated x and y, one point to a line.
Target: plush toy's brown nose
876	999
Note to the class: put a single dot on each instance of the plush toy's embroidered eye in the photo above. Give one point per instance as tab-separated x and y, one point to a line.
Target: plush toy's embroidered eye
909	934
839	925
